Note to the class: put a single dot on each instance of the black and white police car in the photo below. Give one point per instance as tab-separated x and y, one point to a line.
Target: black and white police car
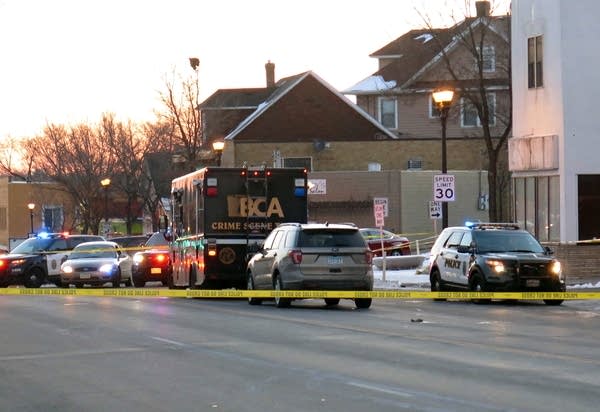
37	259
487	257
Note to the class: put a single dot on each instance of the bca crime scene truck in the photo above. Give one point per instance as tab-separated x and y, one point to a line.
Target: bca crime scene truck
221	216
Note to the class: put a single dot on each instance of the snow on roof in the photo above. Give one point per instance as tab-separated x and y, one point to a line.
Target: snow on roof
425	37
371	84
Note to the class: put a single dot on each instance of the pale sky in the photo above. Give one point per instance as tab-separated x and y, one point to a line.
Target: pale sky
69	61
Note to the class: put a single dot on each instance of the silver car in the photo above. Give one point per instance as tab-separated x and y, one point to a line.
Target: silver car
96	263
312	257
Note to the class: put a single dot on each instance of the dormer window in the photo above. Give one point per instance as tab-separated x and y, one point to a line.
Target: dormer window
388	112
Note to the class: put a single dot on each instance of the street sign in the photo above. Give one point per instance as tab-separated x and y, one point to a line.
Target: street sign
379	214
443	188
383	201
435	210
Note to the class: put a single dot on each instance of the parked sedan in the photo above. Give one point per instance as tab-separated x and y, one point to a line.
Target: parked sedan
393	244
96	263
153	262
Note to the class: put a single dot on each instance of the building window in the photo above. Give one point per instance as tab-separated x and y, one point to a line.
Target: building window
387	112
415	164
537	206
433	110
53	218
488	58
535	74
470	117
305	162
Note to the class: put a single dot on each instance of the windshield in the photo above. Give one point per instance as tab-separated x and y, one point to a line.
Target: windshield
330	238
157	239
32	245
500	241
93	252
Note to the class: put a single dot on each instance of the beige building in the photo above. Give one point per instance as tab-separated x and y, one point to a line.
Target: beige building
52	211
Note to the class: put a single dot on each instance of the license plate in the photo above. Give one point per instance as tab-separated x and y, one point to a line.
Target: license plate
155	271
532	283
334	260
84	276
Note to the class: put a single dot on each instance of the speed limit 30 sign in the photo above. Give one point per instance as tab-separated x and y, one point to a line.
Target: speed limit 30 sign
443	188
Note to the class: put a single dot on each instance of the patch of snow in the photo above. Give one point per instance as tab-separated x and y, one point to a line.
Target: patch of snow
371	84
425	37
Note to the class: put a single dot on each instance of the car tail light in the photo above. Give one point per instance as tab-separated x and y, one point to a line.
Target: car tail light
2	263
369	257
161	258
296	256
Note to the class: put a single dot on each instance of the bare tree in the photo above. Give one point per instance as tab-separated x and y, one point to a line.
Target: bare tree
466	58
14	160
77	158
180	101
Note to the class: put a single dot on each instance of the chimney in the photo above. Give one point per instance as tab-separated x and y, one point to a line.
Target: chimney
270	69
483	8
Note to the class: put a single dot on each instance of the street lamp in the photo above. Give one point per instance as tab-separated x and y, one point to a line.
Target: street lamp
443	99
218	147
105	183
31	206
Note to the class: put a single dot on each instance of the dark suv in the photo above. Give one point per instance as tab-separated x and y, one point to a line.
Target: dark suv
37	259
312	256
487	257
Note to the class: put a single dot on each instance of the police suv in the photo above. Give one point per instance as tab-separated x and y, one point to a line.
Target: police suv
487	257
37	259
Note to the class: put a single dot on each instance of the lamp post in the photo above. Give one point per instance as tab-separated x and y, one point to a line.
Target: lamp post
31	206
218	147
443	100
105	183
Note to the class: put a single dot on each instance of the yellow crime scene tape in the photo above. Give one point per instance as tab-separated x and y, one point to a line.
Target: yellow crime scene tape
297	294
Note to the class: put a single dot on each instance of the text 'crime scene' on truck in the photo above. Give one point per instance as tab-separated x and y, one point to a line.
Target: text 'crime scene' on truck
222	215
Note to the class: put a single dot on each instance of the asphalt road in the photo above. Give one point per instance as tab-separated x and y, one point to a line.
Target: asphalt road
81	353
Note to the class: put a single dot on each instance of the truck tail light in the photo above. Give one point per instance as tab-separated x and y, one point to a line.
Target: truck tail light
296	256
211	192
212	249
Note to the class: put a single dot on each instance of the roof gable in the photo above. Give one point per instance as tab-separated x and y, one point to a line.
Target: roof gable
303	108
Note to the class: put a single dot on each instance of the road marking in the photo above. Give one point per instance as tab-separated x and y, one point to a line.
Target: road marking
172	342
380	389
69	354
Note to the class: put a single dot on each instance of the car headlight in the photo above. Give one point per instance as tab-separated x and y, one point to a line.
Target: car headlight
555	268
496	265
137	258
107	268
67	269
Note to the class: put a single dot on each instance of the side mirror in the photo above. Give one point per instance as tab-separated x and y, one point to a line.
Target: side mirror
548	250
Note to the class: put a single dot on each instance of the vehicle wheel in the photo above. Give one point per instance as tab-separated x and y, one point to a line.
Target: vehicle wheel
553	302
250	286
363	303
279	301
436	284
332	301
35	278
129	282
396	252
478	284
192	278
116	281
171	282
136	282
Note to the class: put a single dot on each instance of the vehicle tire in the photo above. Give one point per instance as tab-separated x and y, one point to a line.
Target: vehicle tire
553	302
250	286
64	285
35	278
192	278
332	301
363	303
279	301
435	280
129	282
478	284
396	252
116	281
137	282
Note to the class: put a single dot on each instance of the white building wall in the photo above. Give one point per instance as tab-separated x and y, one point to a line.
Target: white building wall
564	106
